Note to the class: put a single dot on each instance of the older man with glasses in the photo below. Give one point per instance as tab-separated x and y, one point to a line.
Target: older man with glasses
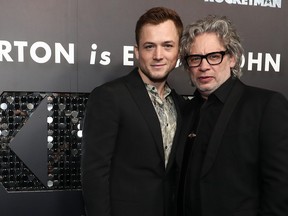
236	154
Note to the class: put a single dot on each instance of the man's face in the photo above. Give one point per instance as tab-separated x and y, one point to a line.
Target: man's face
157	51
207	78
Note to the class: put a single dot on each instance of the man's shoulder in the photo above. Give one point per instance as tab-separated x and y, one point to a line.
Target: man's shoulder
118	86
260	96
260	92
119	81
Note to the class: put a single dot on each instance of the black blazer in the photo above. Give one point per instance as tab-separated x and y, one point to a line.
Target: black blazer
123	171
245	170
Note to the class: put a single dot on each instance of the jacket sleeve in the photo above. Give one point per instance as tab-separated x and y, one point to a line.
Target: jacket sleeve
274	158
99	135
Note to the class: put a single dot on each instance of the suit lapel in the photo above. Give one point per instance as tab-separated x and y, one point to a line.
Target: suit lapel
178	129
187	121
220	126
138	91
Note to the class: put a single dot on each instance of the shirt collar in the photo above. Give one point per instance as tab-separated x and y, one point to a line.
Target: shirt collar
222	92
153	90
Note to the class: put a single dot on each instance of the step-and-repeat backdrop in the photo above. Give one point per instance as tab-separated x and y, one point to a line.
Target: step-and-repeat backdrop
53	53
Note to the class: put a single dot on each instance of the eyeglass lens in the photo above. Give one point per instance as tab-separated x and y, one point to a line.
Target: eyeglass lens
213	58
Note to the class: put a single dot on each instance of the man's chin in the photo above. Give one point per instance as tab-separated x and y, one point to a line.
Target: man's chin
158	79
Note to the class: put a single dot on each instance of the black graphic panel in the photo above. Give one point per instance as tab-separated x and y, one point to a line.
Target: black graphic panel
40	150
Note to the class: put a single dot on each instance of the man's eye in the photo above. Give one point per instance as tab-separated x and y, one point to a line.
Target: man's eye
195	58
168	45
214	56
148	46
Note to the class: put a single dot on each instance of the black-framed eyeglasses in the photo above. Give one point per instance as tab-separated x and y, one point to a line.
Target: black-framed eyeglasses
213	58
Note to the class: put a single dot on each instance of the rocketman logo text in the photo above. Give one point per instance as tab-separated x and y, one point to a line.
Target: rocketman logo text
262	3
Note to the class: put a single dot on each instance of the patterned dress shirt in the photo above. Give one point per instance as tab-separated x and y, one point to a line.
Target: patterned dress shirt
167	116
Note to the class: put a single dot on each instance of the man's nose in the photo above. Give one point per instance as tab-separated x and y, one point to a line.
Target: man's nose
158	53
204	64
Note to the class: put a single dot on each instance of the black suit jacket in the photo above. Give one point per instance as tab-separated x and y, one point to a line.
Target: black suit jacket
123	171
245	170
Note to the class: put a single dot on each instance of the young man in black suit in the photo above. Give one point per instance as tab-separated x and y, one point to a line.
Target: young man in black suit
236	159
131	128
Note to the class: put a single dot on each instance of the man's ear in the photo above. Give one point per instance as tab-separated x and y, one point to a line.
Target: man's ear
136	51
232	61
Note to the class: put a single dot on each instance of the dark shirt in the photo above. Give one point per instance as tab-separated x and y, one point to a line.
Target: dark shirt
207	113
